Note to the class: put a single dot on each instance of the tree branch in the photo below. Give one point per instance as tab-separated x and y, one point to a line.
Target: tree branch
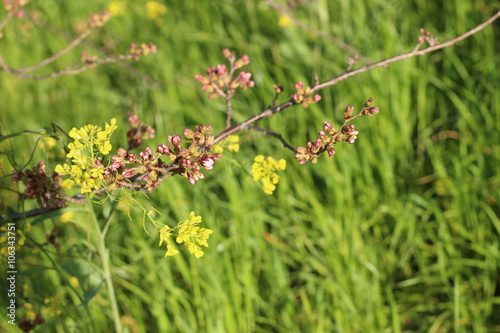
271	111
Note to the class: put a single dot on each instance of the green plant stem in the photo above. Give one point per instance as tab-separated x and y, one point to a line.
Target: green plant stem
104	254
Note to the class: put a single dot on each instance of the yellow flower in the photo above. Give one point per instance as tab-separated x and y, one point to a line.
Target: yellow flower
116	8
54	306
66	217
30	314
231	143
188	233
154	11
73	281
264	170
285	21
89	142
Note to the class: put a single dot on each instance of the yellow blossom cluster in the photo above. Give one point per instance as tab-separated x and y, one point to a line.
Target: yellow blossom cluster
90	142
117	8
231	143
264	169
5	242
155	10
188	233
54	306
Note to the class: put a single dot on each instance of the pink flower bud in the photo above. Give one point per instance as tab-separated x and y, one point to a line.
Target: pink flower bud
207	163
133	120
327	126
348	111
226	53
188	133
175	140
221	70
131	157
129	172
163	149
122	152
373	110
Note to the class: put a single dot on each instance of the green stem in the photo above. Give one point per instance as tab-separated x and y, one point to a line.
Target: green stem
104	254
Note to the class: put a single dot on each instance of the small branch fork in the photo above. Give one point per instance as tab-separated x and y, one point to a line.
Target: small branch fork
85	63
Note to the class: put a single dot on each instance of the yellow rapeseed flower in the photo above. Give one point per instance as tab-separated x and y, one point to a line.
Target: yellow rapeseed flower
29	313
90	141
285	21
73	281
54	306
264	169
116	8
188	233
231	143
155	10
66	217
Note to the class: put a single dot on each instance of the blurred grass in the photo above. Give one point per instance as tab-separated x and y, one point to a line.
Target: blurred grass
399	232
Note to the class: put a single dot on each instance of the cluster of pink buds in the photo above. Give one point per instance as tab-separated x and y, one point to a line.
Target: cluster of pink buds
45	189
197	155
427	37
186	162
143	49
99	19
303	95
329	136
324	142
138	132
219	81
14	7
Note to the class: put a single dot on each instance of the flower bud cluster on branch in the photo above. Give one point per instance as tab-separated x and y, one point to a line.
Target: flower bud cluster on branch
87	61
219	81
329	136
89	169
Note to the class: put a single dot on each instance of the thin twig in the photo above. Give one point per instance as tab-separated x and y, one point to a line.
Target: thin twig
229	112
270	111
276	135
7	18
77	68
57	55
403	56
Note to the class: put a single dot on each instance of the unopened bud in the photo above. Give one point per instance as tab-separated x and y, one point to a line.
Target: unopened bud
369	102
348	111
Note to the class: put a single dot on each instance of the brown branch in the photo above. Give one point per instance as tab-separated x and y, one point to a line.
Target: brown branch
270	111
77	68
403	56
276	135
57	55
3	23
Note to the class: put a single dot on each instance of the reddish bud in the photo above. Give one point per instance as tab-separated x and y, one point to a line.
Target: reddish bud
175	140
348	111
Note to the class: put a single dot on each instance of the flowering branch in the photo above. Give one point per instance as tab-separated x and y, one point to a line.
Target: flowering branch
146	171
86	62
268	112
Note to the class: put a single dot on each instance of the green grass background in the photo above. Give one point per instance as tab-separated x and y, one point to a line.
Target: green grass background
397	233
